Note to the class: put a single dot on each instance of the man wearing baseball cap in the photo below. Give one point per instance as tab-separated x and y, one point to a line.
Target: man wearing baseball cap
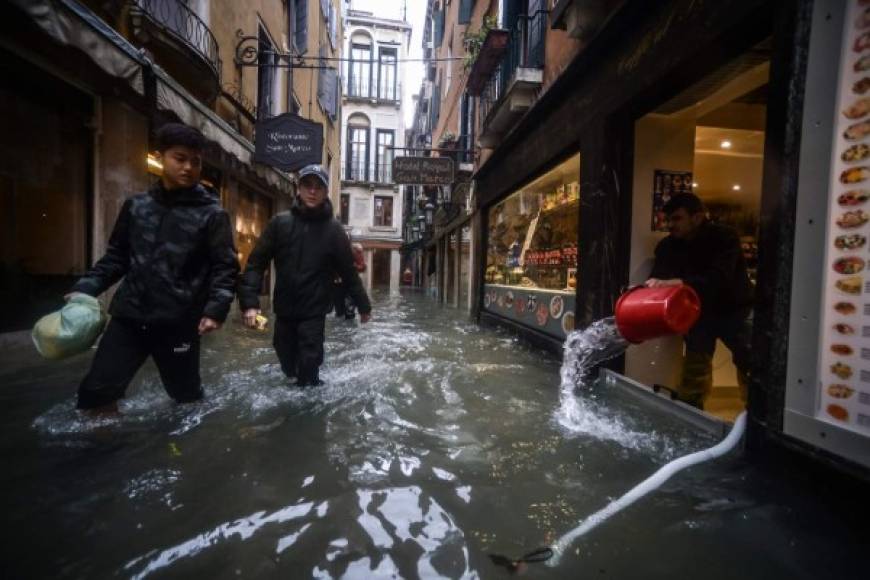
309	248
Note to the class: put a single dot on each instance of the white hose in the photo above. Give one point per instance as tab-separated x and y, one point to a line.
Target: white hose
648	485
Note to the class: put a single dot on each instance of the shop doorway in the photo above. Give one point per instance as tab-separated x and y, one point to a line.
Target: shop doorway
45	192
708	140
381	268
253	212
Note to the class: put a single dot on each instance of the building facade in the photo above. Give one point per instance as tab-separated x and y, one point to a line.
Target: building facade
587	117
371	205
98	78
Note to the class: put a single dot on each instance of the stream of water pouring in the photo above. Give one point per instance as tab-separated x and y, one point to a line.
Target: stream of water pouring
584	349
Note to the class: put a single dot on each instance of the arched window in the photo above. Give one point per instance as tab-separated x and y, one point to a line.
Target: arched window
358	148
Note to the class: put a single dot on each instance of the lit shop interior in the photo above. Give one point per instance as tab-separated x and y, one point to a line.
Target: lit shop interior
531	261
709	139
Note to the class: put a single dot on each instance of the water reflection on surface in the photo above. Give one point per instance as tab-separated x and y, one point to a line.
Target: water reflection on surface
432	443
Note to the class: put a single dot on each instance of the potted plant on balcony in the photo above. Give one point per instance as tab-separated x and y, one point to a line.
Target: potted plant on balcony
447	141
474	41
450	142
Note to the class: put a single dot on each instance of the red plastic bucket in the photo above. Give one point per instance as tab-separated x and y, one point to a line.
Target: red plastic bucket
645	313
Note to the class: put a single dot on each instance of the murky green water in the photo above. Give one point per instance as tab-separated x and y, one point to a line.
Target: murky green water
432	444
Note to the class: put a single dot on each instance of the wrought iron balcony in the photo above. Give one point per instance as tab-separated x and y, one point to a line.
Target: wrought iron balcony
513	85
375	173
361	88
172	25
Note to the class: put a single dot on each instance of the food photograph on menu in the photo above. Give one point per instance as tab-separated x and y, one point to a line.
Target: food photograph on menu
846	306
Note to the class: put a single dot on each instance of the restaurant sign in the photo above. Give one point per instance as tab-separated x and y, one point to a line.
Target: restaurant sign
288	142
423	170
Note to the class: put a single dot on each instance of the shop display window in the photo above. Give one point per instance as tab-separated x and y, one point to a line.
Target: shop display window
532	241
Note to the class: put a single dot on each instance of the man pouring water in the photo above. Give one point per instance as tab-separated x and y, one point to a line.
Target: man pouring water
708	258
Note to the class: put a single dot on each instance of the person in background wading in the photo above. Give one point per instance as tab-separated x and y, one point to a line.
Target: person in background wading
344	304
309	247
173	246
708	258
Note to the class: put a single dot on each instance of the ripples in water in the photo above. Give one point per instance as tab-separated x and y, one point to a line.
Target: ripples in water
431	441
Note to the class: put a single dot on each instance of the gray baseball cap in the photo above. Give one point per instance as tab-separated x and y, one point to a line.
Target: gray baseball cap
316	170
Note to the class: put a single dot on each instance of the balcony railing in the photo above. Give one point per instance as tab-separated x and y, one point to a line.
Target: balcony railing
525	50
362	89
179	21
373	173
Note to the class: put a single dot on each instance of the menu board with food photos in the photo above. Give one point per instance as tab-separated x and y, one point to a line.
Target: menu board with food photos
845	356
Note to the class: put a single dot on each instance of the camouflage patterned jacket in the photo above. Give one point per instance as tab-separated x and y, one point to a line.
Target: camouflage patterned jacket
175	252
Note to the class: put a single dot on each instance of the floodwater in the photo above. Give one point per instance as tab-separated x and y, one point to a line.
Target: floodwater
433	444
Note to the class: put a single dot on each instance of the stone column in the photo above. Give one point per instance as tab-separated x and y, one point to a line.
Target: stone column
395	271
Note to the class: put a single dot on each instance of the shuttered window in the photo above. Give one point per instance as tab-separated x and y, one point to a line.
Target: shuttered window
300	25
439	27
465	9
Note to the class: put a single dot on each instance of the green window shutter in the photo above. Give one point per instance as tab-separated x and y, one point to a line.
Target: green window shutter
439	27
465	9
301	26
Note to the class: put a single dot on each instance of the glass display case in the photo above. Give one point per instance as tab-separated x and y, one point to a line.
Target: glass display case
532	254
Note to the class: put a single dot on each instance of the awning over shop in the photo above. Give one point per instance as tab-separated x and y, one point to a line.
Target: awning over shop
171	96
71	24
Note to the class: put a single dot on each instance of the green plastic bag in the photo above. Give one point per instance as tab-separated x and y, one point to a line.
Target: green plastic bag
71	330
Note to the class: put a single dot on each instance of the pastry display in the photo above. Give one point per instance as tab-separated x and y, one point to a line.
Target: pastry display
841	370
853	219
849	242
845	308
854	197
855	153
850	285
849	265
838	391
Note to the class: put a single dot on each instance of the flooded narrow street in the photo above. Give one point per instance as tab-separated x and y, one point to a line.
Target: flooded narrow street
432	444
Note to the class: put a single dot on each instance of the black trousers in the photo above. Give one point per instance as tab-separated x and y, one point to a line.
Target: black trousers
126	345
299	344
735	331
